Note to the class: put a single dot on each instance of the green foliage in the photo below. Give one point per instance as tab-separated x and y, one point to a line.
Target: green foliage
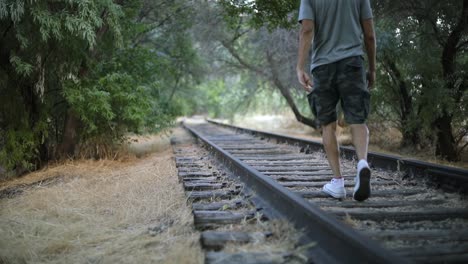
22	68
19	146
421	84
133	66
253	64
44	44
276	13
112	105
225	97
210	98
414	37
116	66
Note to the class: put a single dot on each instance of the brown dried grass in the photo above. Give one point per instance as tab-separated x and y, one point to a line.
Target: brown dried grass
285	237
107	211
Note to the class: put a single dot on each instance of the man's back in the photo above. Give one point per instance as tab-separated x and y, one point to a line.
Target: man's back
338	32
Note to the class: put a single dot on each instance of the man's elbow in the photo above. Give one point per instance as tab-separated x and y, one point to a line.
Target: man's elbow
370	39
307	30
307	27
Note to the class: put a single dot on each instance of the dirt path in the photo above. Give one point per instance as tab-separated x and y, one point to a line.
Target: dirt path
131	211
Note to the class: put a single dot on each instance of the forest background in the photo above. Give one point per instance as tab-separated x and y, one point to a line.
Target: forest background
77	77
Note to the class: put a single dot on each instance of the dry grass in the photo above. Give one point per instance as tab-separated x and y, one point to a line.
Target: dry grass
131	211
284	238
143	145
348	220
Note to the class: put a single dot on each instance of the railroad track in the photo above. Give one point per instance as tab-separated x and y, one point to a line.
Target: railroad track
234	227
404	220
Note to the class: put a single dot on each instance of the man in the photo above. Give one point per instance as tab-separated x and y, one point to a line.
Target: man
335	27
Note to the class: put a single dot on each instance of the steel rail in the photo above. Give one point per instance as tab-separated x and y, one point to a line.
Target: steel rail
448	178
336	243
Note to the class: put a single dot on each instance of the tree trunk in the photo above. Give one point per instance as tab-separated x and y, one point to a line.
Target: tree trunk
70	136
43	152
289	99
67	147
276	81
410	137
445	146
33	109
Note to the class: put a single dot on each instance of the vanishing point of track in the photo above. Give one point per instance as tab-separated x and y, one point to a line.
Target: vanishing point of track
415	213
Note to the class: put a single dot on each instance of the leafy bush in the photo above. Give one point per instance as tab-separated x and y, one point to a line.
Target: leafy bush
79	75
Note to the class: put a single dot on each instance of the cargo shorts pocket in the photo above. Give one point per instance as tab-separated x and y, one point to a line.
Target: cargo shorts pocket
312	102
320	72
354	66
356	108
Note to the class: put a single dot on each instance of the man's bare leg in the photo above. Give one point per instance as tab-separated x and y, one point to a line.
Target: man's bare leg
336	186
360	137
330	144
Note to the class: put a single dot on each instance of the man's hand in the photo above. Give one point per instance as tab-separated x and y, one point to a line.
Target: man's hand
370	79
305	39
304	80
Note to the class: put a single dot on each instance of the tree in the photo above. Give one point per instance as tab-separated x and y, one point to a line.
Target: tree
75	75
269	55
273	14
398	83
426	60
43	44
445	24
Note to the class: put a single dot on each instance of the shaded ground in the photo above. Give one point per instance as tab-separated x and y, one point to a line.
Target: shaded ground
127	211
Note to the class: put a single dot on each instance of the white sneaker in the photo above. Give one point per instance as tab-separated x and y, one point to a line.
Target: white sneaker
335	188
362	188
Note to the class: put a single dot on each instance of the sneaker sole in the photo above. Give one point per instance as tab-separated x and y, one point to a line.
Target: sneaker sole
334	194
363	192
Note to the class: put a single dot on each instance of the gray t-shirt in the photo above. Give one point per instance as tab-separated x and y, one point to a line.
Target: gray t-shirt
338	31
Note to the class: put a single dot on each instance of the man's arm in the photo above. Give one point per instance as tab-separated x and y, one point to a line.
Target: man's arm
370	42
305	39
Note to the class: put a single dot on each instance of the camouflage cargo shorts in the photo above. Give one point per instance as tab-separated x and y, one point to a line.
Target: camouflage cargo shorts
343	81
